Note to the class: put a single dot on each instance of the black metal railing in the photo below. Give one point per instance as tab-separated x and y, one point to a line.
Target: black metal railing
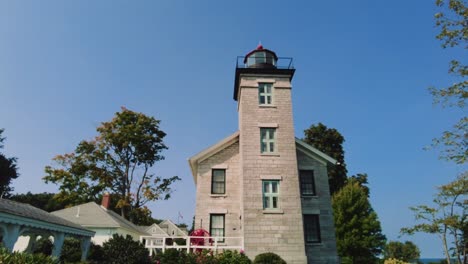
281	63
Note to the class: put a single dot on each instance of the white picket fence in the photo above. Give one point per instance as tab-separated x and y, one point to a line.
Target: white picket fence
215	244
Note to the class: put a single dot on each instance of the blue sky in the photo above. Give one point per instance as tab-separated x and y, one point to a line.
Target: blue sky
363	67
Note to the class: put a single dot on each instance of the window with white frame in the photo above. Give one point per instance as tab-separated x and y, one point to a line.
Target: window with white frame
217	226
311	228
307	180
270	194
218	181
265	93
267	140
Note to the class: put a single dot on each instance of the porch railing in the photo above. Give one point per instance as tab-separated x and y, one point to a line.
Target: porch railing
215	244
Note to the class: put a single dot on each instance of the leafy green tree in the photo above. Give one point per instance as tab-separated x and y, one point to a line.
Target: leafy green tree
453	23
406	252
118	160
358	231
8	171
446	219
330	142
44	201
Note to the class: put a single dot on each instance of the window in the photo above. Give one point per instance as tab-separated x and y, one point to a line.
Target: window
311	229
217	226
218	181
270	194
267	140
265	95
306	178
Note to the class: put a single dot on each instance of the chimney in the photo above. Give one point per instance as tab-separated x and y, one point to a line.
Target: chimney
105	200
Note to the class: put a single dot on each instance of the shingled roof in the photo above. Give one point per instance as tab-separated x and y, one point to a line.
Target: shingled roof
8	207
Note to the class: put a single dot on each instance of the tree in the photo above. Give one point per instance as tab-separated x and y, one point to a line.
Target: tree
358	231
447	218
44	201
453	23
8	171
406	252
118	160
330	142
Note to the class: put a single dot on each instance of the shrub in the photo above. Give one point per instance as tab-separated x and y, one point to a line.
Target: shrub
44	246
268	258
232	257
120	250
173	256
394	261
71	250
24	258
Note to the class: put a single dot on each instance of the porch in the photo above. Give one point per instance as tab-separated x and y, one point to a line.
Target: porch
192	243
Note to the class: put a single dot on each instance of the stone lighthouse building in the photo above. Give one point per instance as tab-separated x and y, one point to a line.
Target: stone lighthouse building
261	187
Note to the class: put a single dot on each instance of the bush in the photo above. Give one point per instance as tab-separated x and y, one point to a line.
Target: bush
232	257
120	250
71	250
394	261
44	246
24	258
268	258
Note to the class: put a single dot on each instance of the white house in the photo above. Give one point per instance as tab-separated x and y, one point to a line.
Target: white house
101	220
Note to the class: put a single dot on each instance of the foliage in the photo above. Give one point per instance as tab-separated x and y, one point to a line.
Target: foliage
44	201
395	261
71	250
120	250
43	246
8	170
96	254
268	258
118	160
452	21
358	232
330	142
232	257
199	241
24	258
401	251
447	218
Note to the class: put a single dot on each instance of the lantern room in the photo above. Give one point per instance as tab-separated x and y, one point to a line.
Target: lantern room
260	58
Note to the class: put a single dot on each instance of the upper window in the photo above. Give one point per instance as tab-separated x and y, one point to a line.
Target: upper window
218	181
271	194
265	93
267	140
217	226
312	229
306	178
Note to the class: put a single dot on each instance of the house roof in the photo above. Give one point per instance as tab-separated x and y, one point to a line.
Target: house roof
210	151
226	142
149	229
15	212
169	222
93	215
315	152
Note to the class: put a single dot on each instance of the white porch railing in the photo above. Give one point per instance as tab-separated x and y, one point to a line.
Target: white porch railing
153	243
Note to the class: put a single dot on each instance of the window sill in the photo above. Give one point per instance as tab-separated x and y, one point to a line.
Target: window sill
315	244
309	196
273	211
270	154
218	195
266	106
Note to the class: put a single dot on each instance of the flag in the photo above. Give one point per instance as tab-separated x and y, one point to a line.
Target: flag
180	215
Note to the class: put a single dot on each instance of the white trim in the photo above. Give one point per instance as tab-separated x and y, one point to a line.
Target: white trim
210	151
265	80
315	151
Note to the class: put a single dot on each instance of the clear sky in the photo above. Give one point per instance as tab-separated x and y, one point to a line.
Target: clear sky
363	67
